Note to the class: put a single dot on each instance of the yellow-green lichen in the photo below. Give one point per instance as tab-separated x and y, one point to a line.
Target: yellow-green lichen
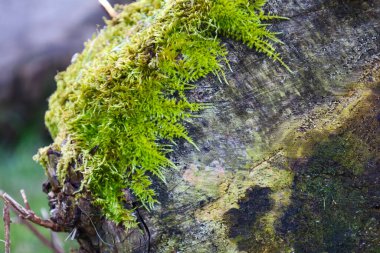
346	145
234	187
119	107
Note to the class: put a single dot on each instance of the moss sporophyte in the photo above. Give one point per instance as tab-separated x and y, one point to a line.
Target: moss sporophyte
125	92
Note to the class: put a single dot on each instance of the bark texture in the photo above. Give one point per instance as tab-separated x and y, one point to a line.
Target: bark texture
287	162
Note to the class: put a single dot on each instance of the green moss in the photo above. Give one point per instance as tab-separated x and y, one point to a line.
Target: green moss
332	202
124	96
334	197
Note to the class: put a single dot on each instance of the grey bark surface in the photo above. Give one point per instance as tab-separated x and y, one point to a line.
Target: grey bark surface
288	162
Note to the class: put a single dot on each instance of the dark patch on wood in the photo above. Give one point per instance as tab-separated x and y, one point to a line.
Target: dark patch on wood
336	192
241	221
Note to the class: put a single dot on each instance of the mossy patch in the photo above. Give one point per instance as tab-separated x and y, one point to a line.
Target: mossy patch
258	196
242	220
328	154
233	187
332	209
335	197
120	106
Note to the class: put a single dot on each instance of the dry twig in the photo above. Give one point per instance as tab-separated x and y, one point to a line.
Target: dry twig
26	203
110	10
49	243
28	214
7	226
41	237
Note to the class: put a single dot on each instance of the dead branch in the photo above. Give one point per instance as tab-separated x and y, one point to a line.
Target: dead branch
26	203
7	226
56	247
29	214
41	237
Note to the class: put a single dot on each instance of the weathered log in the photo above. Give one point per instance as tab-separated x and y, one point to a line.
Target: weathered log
287	162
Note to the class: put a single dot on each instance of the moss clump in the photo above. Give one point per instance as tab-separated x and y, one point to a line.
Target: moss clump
123	100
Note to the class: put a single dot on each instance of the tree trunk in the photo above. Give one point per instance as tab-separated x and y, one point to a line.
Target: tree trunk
288	162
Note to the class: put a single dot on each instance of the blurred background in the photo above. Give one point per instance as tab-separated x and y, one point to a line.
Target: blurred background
37	40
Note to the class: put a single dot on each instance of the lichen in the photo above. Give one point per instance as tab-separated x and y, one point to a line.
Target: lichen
328	154
120	107
332	207
334	201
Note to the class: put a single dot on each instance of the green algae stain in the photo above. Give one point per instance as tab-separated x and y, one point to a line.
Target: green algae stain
335	196
316	190
331	202
249	205
119	107
242	220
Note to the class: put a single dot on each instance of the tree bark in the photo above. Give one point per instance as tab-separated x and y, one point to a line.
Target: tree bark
288	162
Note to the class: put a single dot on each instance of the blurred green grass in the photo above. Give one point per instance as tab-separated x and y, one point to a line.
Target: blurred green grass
19	171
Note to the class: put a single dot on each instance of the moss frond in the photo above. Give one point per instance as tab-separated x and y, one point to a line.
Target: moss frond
126	91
